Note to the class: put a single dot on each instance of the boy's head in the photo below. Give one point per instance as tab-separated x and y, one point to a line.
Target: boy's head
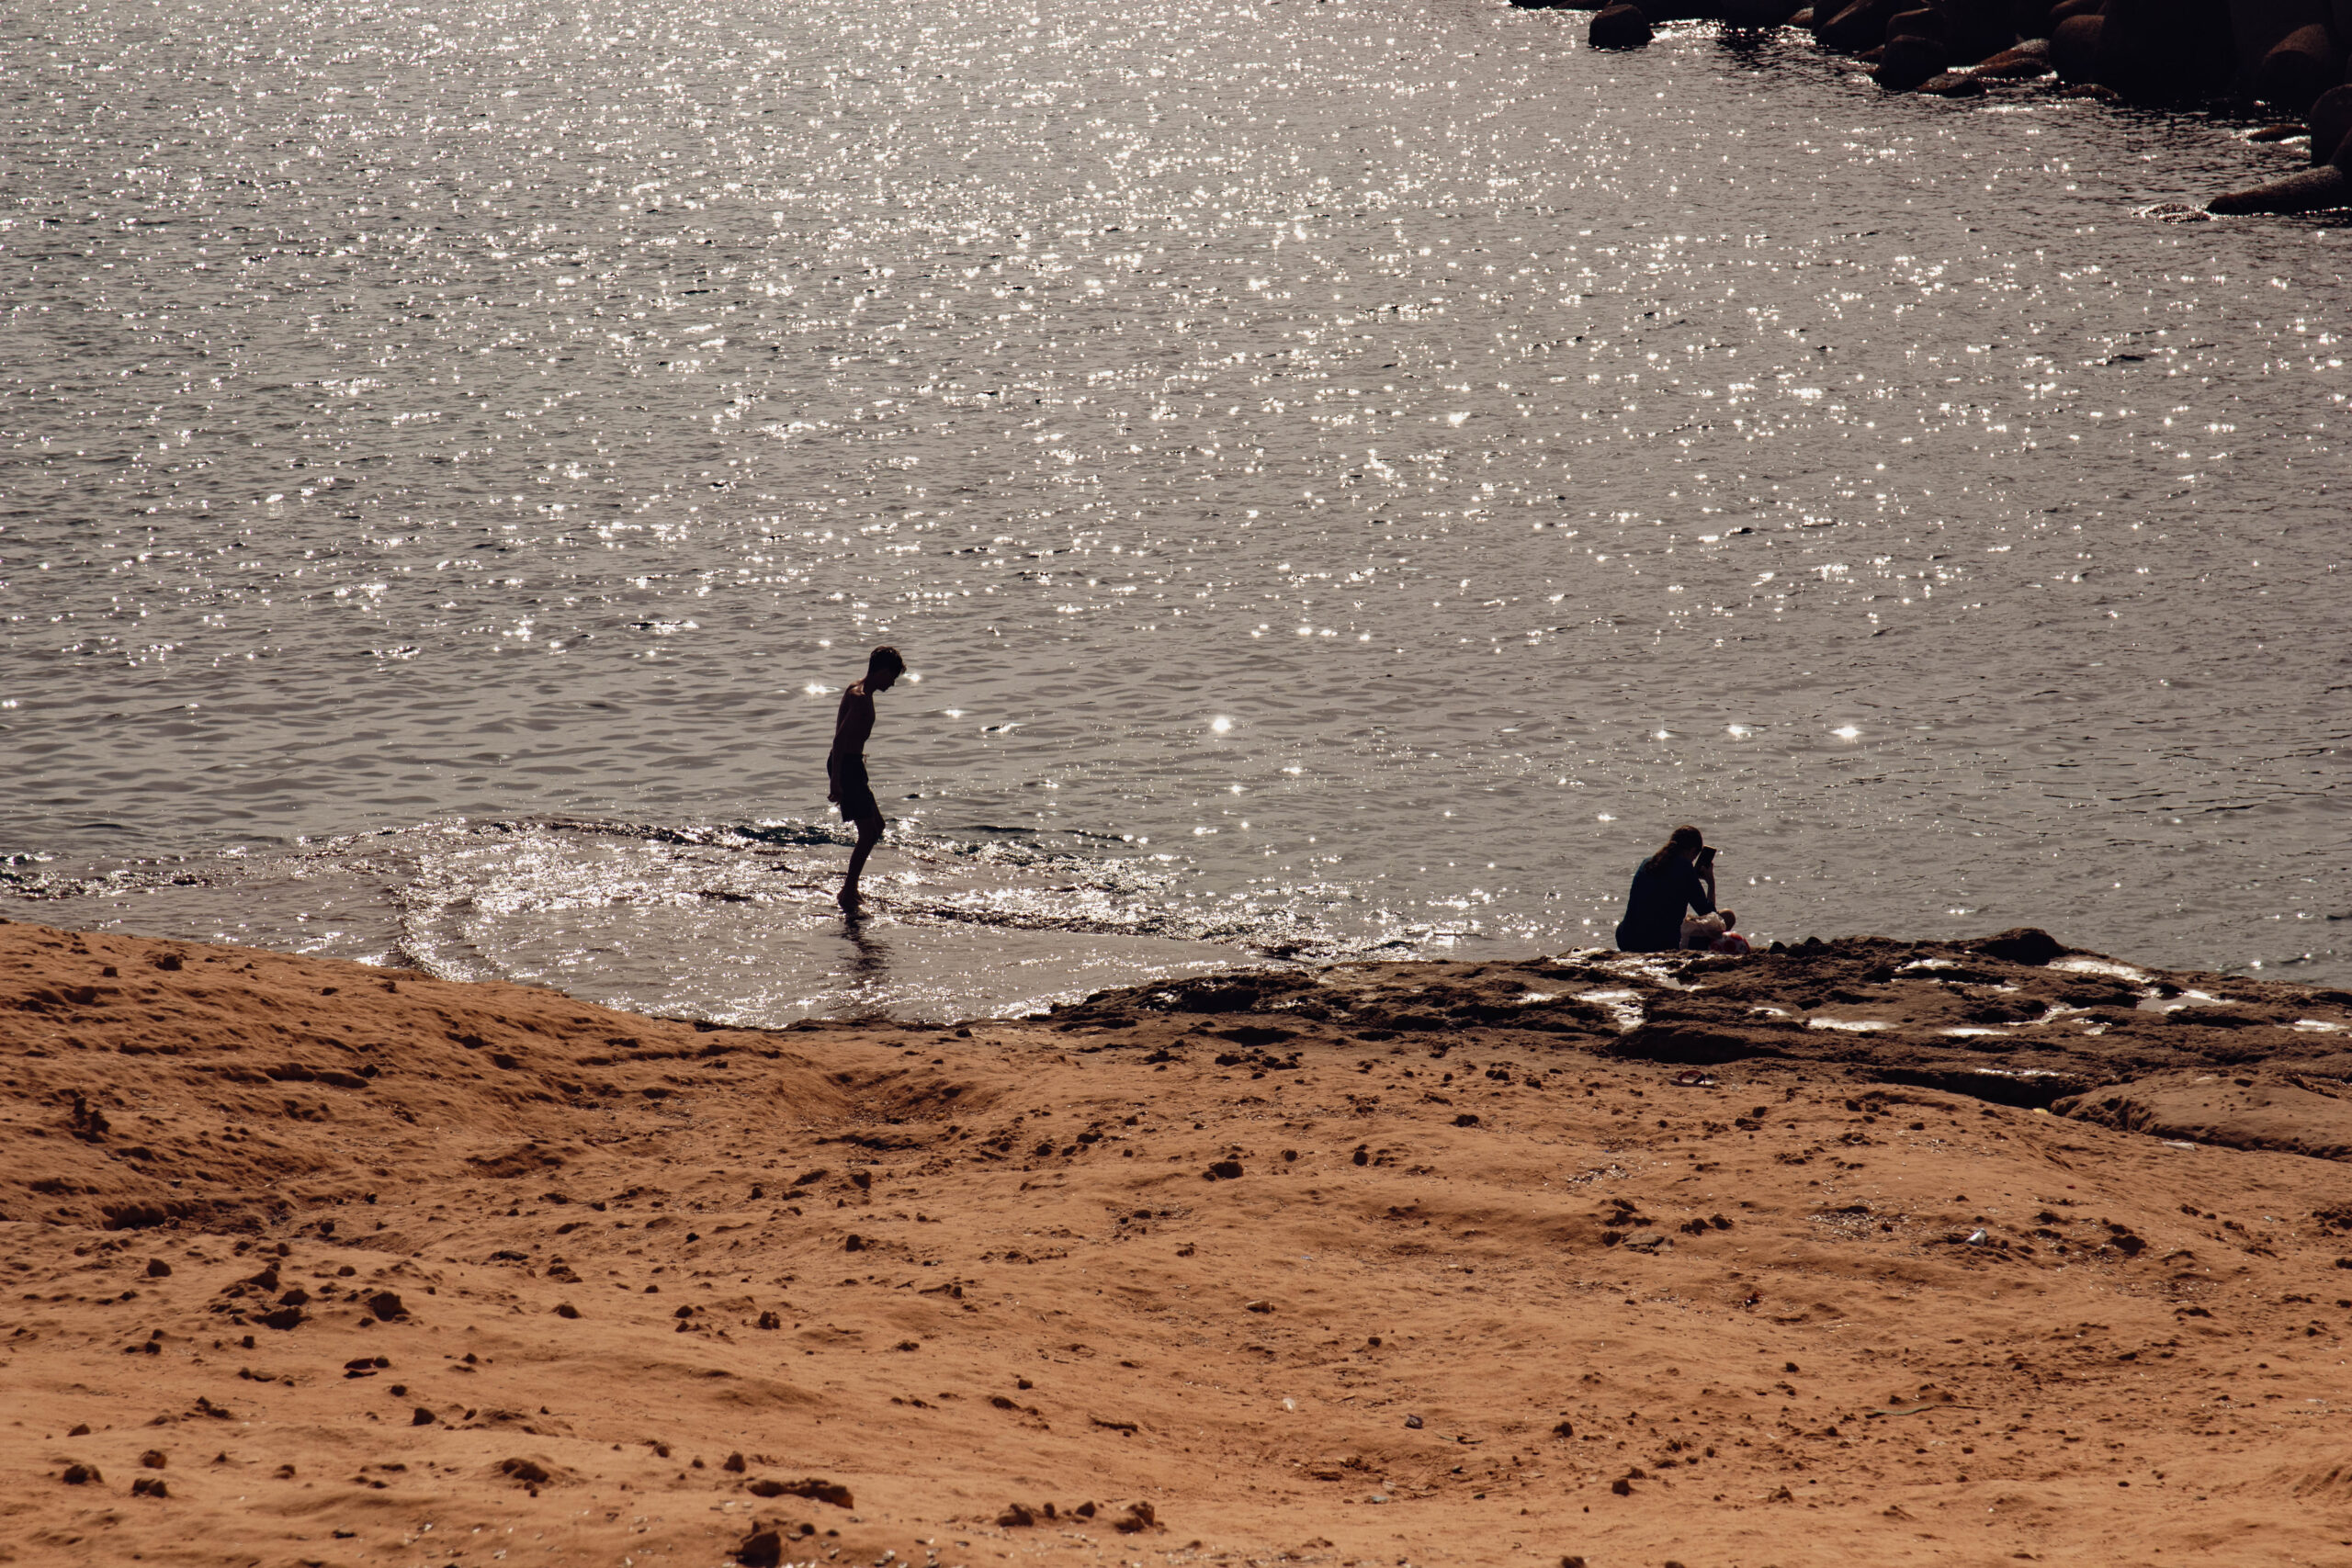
883	668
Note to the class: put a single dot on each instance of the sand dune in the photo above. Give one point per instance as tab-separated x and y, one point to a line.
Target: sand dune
1867	1253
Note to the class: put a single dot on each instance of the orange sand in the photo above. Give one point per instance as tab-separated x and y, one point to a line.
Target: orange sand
1479	1293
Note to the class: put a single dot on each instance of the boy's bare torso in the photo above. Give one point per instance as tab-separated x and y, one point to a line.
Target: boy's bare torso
853	723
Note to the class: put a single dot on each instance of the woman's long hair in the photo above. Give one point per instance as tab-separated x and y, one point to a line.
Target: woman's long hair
1682	839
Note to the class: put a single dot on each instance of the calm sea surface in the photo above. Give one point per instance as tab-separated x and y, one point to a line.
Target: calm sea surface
1350	476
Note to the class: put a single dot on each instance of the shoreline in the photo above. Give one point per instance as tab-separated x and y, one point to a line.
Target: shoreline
2279	57
1594	1255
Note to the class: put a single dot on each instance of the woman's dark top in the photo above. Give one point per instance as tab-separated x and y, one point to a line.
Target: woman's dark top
1653	921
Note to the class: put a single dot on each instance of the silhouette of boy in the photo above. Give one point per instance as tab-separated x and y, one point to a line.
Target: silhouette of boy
845	767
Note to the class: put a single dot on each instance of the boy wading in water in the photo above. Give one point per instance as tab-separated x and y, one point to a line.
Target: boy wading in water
845	768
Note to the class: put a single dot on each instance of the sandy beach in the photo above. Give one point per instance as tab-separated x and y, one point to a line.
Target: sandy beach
1866	1253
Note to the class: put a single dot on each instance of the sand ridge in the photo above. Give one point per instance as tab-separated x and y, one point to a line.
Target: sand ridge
1624	1261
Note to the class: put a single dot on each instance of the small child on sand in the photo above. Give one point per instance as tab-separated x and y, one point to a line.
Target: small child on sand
1712	933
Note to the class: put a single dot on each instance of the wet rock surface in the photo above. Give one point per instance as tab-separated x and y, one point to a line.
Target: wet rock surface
2016	1019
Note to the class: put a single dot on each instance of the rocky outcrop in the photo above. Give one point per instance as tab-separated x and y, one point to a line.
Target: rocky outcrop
2306	190
2330	123
1911	59
2289	55
2299	68
2257	26
2022	62
1857	26
2075	48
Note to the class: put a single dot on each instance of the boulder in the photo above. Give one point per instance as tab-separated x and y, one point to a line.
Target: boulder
2066	8
1620	27
1859	26
1802	18
2074	47
2257	26
2299	68
1910	60
1922	23
2021	945
2022	62
2306	190
1954	85
1681	10
2164	51
2331	123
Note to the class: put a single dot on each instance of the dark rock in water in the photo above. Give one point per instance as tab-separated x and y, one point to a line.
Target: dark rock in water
2331	122
1909	62
1620	27
2092	91
1802	18
2285	130
1953	85
2299	68
2067	9
2021	945
2238	1111
2023	63
2307	190
1859	26
2074	48
2256	26
1920	23
1756	12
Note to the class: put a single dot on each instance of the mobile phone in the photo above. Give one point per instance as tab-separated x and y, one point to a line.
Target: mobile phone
1707	856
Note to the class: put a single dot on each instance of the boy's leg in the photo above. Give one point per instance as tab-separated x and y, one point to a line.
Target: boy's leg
869	833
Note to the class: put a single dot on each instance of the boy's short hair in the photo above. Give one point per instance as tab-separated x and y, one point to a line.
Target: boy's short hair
885	660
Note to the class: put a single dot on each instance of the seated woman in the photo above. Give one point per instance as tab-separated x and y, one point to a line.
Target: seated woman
1681	875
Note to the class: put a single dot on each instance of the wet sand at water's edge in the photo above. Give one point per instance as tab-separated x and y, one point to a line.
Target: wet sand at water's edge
1871	1252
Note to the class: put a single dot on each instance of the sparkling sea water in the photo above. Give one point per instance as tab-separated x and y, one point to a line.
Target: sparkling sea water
1349	477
